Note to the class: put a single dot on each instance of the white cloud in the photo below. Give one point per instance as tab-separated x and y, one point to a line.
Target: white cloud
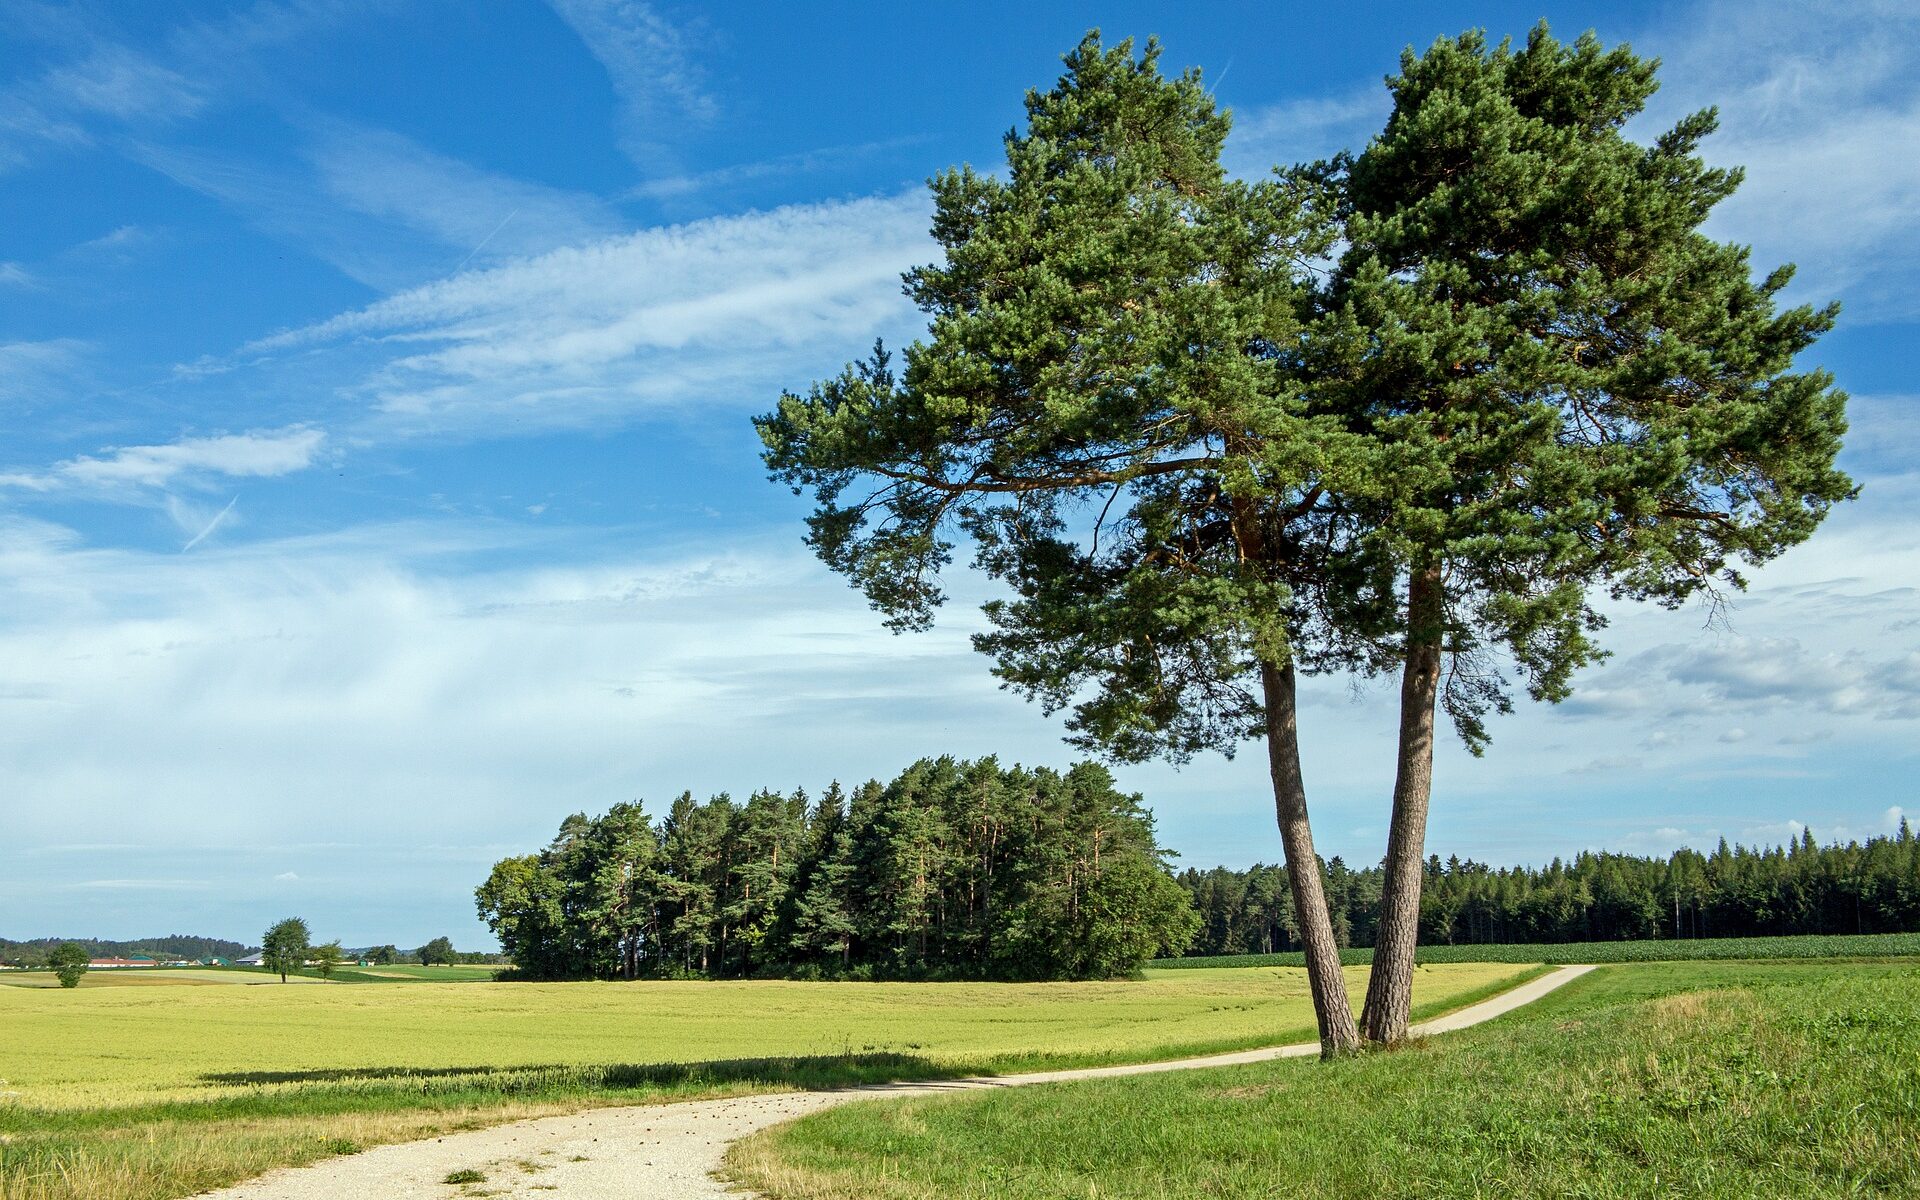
116	82
710	310
650	64
104	89
355	688
387	176
34	371
1305	130
12	274
110	83
1821	104
259	454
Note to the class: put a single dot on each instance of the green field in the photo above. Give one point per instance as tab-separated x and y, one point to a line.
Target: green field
153	1091
1867	945
1710	1080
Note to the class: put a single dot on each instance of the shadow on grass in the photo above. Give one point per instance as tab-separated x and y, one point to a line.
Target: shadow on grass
805	1072
279	1094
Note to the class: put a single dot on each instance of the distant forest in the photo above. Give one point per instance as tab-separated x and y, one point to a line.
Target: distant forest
951	870
1736	891
967	869
174	945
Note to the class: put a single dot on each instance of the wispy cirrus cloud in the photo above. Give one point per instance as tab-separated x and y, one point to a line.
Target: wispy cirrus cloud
258	454
109	84
29	370
391	178
1305	130
94	87
627	325
650	63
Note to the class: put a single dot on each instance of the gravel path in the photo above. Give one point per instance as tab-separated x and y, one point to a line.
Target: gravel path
669	1151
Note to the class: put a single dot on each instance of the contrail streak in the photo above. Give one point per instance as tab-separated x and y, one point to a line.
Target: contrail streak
483	241
213	524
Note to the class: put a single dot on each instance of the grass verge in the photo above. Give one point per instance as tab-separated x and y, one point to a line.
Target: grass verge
1710	1080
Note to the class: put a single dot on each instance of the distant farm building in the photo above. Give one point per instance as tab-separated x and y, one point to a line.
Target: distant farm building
116	964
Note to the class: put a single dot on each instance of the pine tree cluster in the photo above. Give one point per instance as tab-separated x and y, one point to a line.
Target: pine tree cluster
1736	891
952	870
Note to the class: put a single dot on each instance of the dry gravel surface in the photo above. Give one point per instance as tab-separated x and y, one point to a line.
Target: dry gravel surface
670	1151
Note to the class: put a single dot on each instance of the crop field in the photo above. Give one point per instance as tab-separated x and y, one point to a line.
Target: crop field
151	977
1869	945
409	973
160	976
153	1091
1714	1080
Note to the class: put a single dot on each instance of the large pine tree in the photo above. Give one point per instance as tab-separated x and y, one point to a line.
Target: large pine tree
1564	385
1107	406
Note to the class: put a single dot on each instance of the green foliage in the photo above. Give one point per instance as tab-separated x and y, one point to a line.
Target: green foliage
284	948
961	869
1563	383
1106	407
1737	891
69	962
327	957
1721	1082
1730	949
438	952
33	952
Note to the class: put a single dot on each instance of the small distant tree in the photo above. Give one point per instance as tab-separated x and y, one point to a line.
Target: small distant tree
327	956
438	952
383	956
284	948
69	961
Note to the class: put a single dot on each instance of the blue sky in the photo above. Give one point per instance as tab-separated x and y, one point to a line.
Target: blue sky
376	485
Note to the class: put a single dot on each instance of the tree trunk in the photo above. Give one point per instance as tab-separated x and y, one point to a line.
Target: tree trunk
1338	1033
1390	985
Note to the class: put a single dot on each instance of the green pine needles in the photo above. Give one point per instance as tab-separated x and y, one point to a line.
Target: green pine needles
1409	410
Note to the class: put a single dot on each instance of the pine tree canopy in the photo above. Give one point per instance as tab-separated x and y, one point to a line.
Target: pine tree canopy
1189	449
1562	382
1107	405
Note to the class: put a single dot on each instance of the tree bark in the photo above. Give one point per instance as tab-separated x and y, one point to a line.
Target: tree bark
1331	1008
1390	984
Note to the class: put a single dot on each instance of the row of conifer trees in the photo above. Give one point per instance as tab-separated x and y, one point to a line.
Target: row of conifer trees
1734	891
953	869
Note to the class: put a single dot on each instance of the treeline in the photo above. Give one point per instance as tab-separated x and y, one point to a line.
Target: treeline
951	870
34	952
1736	891
438	952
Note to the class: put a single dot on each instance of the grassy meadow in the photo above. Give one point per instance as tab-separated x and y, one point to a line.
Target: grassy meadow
149	1091
1702	1079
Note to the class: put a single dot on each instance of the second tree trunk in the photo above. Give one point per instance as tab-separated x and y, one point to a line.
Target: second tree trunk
1332	1009
1390	986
